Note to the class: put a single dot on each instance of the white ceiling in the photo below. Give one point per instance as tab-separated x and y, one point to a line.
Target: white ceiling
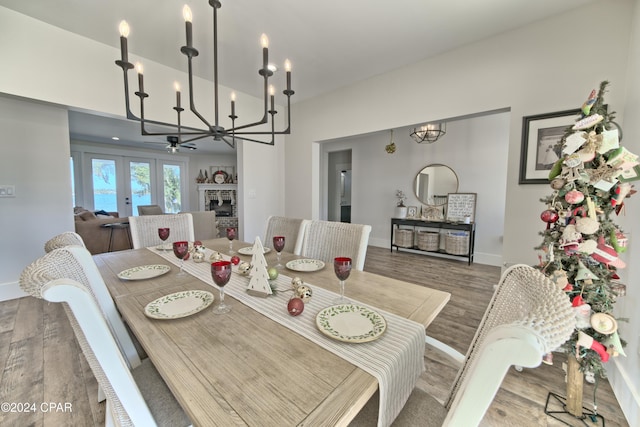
331	43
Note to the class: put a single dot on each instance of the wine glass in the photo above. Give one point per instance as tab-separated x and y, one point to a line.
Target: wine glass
221	272
180	250
231	234
278	245
342	268
163	233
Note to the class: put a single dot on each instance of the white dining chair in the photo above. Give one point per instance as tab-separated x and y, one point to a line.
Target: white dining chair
205	225
68	238
527	317
90	273
144	229
325	240
137	397
282	226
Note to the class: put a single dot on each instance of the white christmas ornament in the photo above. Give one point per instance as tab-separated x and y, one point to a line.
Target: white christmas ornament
259	283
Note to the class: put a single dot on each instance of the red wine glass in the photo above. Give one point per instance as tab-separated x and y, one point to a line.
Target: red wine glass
221	272
231	234
163	233
278	245
342	268
180	250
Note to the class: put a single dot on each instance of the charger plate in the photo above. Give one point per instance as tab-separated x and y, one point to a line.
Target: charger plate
351	323
179	304
144	272
248	250
305	265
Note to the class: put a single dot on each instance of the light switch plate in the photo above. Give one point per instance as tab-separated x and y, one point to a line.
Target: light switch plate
7	191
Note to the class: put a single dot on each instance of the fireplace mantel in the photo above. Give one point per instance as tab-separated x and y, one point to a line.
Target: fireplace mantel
202	188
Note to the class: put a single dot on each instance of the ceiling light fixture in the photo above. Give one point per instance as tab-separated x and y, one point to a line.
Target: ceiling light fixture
429	133
211	129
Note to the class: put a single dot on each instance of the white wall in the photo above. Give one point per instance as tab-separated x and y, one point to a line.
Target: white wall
35	158
548	66
475	148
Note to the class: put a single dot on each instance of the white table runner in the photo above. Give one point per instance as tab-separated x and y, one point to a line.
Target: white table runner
396	359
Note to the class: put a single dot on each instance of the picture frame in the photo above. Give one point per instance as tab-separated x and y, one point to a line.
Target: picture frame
412	212
539	152
461	207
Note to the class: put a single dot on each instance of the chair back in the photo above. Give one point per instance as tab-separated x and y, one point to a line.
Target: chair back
144	229
326	240
49	278
205	226
282	226
527	317
149	210
68	238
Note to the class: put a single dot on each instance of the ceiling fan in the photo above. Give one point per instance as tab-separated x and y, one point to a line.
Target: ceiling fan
174	145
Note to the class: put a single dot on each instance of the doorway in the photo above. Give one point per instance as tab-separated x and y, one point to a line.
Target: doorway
339	186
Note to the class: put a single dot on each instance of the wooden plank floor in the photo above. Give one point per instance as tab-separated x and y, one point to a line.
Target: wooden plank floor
41	362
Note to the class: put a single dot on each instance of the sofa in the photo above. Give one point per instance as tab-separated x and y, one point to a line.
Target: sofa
90	226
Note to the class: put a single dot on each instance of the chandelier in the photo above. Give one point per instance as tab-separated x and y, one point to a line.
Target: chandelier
210	128
429	133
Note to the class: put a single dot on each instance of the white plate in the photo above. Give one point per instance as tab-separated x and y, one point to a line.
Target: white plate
179	304
248	250
144	272
351	323
305	265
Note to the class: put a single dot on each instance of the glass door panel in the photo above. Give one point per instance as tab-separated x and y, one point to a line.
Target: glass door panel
140	184
172	180
105	179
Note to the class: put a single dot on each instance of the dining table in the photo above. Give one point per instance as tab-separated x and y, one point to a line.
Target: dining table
261	366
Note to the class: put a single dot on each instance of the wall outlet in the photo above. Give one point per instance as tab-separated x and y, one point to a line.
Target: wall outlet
7	191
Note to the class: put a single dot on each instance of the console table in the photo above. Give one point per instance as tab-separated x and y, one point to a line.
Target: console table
435	226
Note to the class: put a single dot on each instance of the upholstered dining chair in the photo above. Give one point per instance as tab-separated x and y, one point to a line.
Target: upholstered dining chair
144	229
527	317
205	225
90	275
137	397
325	240
282	226
149	210
68	238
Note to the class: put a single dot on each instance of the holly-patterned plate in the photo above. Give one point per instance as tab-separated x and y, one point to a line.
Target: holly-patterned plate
144	272
179	304
351	323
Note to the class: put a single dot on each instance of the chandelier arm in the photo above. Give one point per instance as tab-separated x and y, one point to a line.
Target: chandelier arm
272	142
192	105
127	103
231	144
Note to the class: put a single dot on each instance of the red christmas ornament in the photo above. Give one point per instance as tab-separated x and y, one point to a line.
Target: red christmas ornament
235	260
549	216
295	306
577	301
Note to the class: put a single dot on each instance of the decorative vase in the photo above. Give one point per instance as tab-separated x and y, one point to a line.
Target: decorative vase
401	212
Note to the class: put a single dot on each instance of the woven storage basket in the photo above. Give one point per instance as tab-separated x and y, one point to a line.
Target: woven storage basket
456	244
404	238
428	240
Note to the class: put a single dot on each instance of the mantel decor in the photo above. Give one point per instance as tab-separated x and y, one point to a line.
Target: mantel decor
211	128
540	136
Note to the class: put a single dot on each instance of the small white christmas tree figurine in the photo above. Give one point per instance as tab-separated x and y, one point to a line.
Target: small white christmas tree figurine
259	283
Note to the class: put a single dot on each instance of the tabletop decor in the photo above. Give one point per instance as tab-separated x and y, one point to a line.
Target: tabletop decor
259	283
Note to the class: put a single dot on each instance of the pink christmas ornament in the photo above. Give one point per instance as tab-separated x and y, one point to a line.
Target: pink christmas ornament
574	197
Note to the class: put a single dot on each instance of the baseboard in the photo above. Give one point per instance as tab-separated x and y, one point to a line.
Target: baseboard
10	291
627	395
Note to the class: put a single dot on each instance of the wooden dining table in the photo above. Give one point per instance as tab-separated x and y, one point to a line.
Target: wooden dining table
242	368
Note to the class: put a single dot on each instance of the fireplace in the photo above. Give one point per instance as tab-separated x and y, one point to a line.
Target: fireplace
224	209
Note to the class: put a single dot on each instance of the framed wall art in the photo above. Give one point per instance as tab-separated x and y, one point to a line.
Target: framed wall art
540	136
412	212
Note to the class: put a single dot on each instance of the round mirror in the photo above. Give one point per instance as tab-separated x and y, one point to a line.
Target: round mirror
433	183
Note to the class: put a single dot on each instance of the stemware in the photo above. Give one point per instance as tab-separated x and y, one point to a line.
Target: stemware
231	234
221	272
163	233
278	245
180	250
342	268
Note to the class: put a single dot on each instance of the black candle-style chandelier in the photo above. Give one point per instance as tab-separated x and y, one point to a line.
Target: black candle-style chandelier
186	134
429	133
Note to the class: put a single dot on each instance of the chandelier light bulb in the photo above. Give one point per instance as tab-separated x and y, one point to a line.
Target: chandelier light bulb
186	13
287	65
264	41
176	86
124	29
272	90
233	96
139	68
